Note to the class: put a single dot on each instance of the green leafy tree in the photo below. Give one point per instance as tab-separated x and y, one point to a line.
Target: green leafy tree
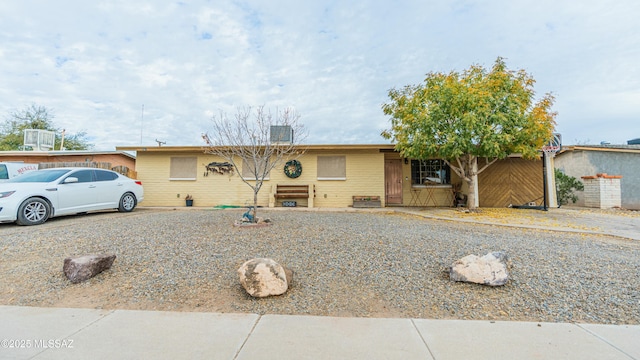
37	117
460	117
565	187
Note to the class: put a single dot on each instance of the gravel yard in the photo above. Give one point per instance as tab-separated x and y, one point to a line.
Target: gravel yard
363	264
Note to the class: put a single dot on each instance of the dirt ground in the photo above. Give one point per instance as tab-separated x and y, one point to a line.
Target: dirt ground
20	287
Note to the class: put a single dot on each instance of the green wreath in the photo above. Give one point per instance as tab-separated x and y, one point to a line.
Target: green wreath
293	168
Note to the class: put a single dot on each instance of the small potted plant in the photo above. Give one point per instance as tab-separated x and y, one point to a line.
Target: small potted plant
189	200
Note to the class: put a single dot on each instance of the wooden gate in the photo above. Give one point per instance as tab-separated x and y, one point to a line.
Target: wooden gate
511	181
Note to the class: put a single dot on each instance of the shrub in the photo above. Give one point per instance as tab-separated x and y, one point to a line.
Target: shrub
565	187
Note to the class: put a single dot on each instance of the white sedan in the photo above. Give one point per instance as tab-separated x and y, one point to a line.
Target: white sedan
32	198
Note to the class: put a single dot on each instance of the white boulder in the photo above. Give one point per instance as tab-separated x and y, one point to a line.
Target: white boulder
490	269
263	277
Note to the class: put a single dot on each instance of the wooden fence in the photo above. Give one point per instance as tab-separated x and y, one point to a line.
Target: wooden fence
511	181
121	169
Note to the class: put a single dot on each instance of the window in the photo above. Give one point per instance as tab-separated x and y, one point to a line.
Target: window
248	169
183	168
41	176
102	175
4	174
430	172
83	176
332	168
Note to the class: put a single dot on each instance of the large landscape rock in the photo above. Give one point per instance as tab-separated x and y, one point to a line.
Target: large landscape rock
81	268
490	269
263	277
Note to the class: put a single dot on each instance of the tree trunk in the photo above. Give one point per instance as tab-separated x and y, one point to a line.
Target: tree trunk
472	183
255	206
476	195
468	171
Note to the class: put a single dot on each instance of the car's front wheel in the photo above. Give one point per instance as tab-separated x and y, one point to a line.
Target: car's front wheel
127	202
33	211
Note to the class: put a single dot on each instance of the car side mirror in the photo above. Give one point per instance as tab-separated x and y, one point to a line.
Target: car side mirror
70	180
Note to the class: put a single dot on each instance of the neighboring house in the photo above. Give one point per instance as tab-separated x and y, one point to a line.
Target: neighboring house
336	173
118	160
588	160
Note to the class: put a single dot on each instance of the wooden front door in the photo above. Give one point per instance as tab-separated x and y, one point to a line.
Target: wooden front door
393	182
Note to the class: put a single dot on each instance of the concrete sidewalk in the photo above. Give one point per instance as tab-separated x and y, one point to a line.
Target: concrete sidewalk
60	333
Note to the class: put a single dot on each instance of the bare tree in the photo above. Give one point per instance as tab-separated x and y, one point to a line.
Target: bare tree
248	143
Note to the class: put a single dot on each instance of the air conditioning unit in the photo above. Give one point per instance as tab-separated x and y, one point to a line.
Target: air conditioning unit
39	140
282	134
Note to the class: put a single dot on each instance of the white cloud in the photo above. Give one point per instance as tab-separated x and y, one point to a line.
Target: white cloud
96	64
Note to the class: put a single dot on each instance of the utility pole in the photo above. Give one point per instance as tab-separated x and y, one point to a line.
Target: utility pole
62	140
141	123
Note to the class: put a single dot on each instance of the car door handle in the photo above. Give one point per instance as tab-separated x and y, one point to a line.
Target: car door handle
91	186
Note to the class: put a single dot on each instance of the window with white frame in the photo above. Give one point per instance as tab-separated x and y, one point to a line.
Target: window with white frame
332	167
430	172
183	168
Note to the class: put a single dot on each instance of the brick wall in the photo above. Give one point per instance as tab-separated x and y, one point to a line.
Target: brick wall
364	176
602	191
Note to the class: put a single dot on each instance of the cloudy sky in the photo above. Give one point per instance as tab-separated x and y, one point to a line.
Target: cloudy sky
128	72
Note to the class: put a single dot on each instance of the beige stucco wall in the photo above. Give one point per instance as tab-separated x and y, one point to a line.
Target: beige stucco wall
364	170
441	196
365	176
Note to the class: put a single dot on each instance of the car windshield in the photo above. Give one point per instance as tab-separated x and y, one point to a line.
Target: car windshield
39	176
